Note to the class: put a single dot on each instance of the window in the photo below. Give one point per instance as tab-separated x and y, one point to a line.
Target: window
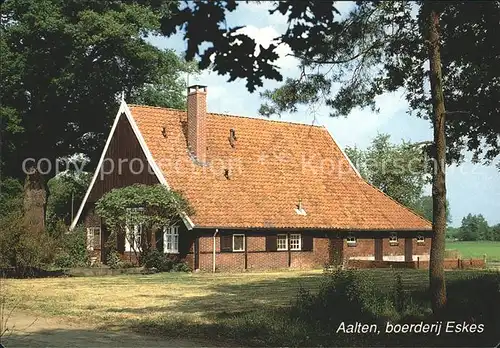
420	239
393	238
238	242
133	231
295	242
351	240
171	240
93	238
282	242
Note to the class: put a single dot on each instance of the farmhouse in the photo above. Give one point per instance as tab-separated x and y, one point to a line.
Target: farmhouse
266	194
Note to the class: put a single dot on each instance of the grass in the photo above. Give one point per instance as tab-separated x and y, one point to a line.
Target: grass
117	299
477	249
248	307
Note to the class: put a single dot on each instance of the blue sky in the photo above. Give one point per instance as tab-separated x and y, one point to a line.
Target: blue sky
471	188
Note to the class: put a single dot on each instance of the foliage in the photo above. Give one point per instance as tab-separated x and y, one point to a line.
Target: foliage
423	206
73	249
156	259
151	206
168	88
22	248
163	263
474	227
65	64
11	194
495	232
65	190
181	266
113	259
349	294
452	232
397	170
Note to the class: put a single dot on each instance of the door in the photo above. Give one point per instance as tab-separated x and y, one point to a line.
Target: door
336	251
379	249
408	249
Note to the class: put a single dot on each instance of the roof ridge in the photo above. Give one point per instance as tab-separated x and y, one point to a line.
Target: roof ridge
154	107
230	115
267	120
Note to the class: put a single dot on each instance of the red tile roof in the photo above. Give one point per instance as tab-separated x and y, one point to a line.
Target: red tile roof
272	166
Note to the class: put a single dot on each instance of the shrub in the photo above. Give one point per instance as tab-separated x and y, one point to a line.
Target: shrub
155	259
344	296
127	264
73	249
24	249
181	266
163	263
113	259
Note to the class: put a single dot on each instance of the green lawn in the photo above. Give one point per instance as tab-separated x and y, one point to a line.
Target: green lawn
477	249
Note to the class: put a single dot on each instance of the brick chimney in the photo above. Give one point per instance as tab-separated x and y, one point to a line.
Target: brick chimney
197	121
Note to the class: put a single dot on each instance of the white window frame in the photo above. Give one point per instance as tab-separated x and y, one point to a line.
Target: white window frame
420	239
172	234
293	236
239	235
351	239
137	231
278	244
91	238
393	238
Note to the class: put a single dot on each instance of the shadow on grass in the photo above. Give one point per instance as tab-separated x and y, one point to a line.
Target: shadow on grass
91	338
258	313
30	272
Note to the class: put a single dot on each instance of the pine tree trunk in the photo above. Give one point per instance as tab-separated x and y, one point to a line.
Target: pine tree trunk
436	267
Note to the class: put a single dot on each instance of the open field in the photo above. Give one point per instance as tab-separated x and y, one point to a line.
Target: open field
192	306
477	249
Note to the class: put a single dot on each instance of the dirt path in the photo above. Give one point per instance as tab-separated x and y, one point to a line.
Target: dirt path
26	330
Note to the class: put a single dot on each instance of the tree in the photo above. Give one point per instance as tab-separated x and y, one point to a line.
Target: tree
11	196
495	232
64	66
65	190
168	89
474	227
379	46
452	232
424	208
153	207
397	170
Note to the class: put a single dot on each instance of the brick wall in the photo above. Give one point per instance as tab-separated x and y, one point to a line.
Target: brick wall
197	114
421	250
364	249
257	258
393	251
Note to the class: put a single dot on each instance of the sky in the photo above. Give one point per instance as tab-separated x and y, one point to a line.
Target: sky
470	188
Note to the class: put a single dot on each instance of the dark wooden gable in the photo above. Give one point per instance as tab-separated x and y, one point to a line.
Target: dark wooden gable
126	154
